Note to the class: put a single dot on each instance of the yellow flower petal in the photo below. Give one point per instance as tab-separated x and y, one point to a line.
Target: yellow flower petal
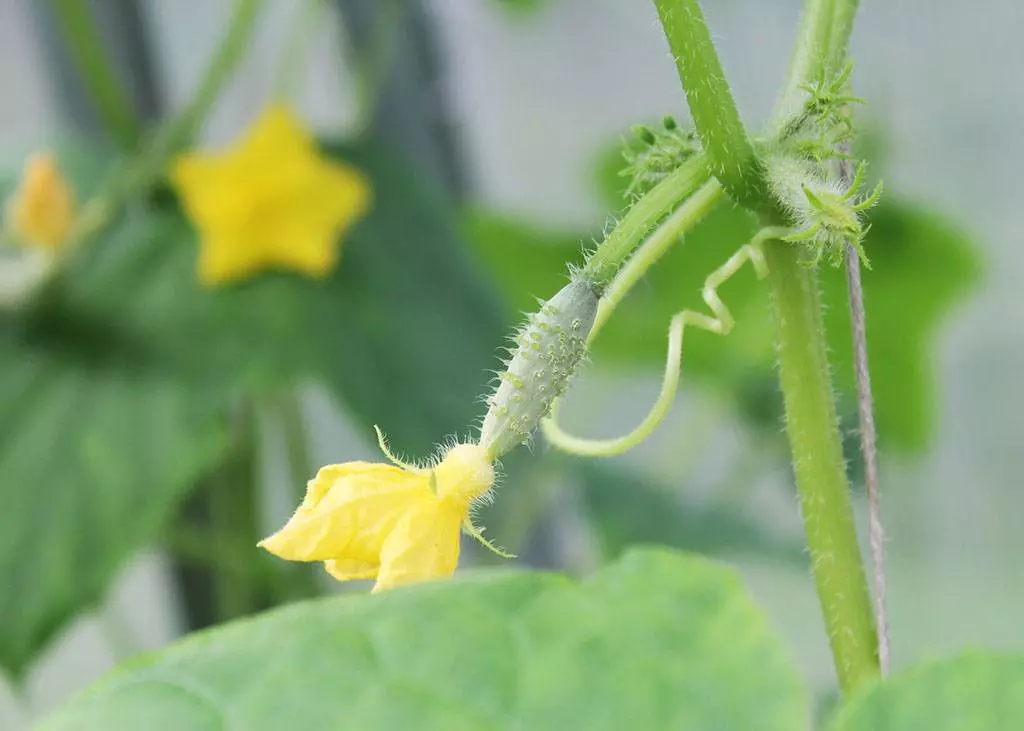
42	209
353	518
330	474
344	569
277	133
219	262
398	524
269	202
423	546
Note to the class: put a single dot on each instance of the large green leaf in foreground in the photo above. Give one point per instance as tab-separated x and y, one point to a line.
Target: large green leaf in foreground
658	640
973	692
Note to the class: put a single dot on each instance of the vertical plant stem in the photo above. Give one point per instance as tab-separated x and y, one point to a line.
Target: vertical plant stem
812	424
296	439
234	521
138	172
813	430
868	437
370	59
219	574
811	54
294	580
843	14
711	104
87	49
869	450
308	20
179	130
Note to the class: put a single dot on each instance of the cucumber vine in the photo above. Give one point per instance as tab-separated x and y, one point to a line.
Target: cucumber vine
793	179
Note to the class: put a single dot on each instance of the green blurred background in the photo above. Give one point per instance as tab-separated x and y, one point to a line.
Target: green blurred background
508	115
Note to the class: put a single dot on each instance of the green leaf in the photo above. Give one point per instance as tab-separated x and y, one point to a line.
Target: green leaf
96	448
657	640
974	692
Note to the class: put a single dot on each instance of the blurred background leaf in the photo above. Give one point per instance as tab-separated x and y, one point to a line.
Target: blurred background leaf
134	365
381	331
625	509
521	6
123	439
922	266
412	325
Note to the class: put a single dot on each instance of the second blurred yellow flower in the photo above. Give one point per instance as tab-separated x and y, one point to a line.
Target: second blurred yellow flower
270	201
42	209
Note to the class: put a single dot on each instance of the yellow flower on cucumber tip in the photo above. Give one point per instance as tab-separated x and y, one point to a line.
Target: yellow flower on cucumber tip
270	201
42	209
396	523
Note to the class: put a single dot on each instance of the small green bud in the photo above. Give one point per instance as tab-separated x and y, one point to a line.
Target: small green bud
654	152
551	346
644	133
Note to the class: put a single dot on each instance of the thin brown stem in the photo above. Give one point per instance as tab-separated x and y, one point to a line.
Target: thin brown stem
868	437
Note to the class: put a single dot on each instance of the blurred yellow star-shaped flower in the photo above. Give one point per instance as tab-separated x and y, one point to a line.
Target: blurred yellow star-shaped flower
269	201
42	209
397	523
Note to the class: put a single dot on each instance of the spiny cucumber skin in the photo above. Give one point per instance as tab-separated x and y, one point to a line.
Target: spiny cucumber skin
549	348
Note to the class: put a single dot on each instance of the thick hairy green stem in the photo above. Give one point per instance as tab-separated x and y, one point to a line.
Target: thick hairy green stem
725	141
810	403
821	43
688	215
641	219
810	55
813	430
90	57
672	229
843	13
